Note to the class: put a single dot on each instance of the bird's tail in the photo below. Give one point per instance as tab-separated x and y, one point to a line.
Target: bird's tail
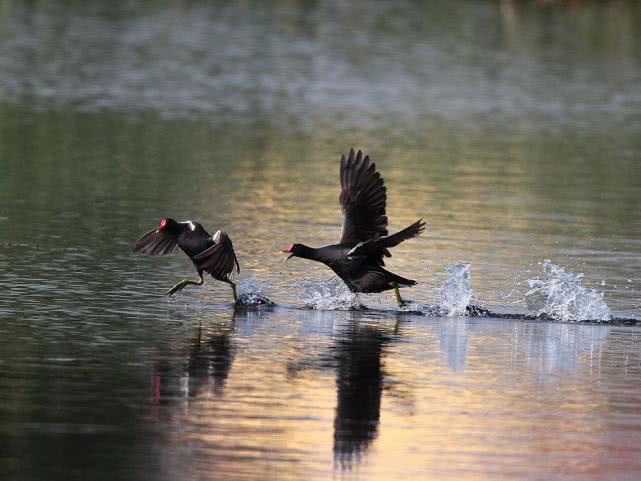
402	235
400	281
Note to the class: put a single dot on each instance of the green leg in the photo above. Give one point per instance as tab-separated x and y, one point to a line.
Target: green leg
184	283
399	300
233	292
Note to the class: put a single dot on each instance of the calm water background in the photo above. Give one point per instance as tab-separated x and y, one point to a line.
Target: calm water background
515	130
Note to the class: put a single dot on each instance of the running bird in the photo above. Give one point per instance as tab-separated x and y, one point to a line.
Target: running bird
358	258
211	254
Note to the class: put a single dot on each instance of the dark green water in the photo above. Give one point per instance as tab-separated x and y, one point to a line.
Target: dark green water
514	130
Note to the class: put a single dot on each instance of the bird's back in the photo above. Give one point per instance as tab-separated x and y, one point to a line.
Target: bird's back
194	239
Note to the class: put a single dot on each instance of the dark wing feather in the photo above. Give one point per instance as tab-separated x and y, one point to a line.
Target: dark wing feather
379	246
156	243
363	199
219	260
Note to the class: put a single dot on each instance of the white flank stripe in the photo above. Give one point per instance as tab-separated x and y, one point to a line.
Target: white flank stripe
192	226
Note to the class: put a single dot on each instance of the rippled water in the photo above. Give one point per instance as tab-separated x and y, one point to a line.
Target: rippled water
513	129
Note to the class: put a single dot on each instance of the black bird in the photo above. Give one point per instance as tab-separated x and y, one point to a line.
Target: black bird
211	254
358	257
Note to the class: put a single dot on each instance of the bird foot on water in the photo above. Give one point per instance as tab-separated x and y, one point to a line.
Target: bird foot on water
477	311
249	299
181	285
404	303
178	287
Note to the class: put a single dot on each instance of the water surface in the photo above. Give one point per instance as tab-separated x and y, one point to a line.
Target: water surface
514	130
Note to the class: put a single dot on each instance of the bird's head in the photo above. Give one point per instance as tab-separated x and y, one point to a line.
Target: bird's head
167	225
294	250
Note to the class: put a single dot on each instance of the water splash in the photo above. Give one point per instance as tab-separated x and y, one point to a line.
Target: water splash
456	291
331	295
455	295
250	292
560	295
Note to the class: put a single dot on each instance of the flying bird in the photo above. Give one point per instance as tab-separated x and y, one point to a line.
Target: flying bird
213	255
358	257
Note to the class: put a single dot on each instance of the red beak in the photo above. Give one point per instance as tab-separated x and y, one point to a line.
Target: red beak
290	251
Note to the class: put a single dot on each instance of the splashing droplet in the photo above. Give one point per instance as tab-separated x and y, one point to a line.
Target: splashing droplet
456	291
560	295
331	295
250	292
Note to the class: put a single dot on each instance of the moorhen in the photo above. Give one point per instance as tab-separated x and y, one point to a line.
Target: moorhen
211	254
358	258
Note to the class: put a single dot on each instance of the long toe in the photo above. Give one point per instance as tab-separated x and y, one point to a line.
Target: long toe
173	290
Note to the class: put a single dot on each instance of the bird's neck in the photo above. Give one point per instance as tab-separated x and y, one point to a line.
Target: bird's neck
308	253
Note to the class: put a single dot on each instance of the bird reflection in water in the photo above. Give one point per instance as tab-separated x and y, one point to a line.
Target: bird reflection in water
207	367
357	356
359	388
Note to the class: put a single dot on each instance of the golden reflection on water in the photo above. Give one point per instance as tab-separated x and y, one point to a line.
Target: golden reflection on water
460	401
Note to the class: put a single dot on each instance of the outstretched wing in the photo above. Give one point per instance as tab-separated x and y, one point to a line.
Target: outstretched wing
379	246
219	260
156	243
363	199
